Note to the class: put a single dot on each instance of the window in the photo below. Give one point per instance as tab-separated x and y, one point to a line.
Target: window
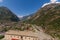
21	37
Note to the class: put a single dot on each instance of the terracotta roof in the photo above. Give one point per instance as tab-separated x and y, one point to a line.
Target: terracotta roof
22	33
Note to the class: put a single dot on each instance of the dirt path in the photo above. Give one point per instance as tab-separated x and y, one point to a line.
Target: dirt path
41	34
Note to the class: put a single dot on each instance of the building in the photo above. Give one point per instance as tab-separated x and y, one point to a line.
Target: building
20	35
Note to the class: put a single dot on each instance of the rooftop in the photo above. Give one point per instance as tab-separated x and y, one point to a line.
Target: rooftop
22	33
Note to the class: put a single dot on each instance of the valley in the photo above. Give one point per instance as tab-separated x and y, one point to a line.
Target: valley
45	22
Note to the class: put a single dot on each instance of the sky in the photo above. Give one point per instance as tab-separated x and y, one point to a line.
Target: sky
24	7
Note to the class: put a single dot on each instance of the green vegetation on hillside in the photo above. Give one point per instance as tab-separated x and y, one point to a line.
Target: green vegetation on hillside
48	18
1	36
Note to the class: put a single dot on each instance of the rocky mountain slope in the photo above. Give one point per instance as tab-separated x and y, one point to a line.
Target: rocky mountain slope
7	19
7	15
48	18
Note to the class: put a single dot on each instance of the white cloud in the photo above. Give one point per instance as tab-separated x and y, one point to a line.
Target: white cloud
20	16
45	4
51	1
1	0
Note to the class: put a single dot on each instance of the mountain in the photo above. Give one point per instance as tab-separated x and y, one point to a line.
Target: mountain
26	17
7	15
8	19
48	18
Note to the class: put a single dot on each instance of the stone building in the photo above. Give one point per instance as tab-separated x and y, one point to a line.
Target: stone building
20	35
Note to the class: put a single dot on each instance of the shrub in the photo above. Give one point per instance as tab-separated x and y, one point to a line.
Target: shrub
1	36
